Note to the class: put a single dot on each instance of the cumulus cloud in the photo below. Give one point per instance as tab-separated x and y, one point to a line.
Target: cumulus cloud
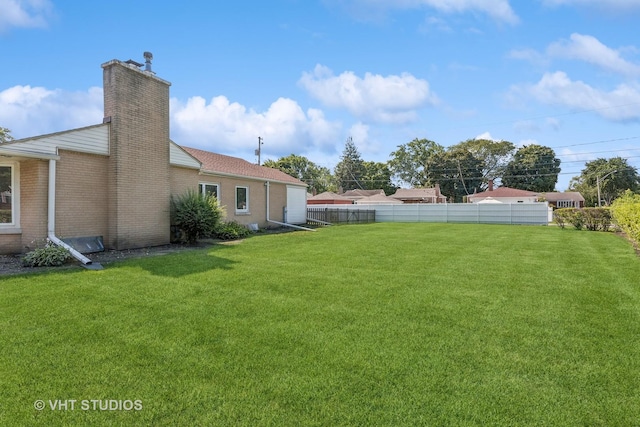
390	99
230	127
487	136
31	111
498	10
589	49
620	104
585	48
24	13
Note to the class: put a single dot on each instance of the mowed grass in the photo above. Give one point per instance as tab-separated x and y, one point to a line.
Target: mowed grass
381	324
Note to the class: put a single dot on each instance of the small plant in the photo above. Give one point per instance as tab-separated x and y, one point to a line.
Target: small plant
48	256
195	215
231	230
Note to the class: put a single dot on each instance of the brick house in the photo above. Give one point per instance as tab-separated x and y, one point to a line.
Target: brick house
115	180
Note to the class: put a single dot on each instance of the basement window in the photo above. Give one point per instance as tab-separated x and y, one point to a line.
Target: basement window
9	195
242	199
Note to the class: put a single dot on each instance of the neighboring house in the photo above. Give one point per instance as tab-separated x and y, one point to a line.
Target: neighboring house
503	195
567	199
328	198
378	199
115	180
420	195
360	194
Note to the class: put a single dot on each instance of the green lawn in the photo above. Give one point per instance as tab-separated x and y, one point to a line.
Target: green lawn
380	324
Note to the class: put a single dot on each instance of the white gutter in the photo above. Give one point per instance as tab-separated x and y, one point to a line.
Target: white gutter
268	184
51	220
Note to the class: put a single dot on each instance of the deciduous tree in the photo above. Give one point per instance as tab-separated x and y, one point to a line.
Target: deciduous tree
5	135
615	175
533	168
416	162
317	177
377	176
494	155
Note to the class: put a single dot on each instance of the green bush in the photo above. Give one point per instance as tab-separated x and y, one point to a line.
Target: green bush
231	230
626	213
572	216
597	219
594	219
48	256
195	215
560	217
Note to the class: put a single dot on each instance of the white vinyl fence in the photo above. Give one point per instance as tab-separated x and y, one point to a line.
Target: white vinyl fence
479	213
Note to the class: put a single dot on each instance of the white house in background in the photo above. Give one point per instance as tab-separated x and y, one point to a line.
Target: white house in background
420	195
504	195
378	199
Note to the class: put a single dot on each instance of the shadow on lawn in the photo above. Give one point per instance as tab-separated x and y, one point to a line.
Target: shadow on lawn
188	262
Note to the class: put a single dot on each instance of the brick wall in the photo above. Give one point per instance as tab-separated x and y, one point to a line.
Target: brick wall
257	199
138	172
34	190
81	195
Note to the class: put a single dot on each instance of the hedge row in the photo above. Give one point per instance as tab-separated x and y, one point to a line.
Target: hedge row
626	212
594	219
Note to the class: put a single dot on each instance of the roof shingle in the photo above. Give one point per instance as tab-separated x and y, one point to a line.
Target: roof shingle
219	163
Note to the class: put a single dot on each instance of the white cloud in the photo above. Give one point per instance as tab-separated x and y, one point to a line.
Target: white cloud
487	136
390	99
24	13
31	111
227	127
499	10
620	104
589	49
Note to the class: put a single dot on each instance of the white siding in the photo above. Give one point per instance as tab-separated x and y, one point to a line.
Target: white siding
179	157
93	140
296	205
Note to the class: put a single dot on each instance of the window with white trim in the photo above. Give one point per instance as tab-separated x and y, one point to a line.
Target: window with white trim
212	189
242	199
9	195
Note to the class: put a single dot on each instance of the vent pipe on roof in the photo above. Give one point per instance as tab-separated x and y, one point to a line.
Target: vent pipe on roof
148	56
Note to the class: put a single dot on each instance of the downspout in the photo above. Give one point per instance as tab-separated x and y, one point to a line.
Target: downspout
297	227
51	220
267	184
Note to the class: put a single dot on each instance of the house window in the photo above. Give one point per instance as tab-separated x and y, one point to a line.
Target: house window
211	189
9	195
564	204
242	199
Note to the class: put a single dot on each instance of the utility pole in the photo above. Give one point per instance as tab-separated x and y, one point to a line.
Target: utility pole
598	184
260	142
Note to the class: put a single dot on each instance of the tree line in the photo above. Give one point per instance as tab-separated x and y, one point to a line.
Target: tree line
462	169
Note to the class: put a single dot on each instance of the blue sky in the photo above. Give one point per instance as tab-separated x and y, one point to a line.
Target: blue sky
307	74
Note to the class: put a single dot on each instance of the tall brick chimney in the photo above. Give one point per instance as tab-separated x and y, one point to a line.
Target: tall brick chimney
136	103
490	185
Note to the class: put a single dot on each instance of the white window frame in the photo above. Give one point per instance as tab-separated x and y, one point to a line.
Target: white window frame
202	188
14	225
244	210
